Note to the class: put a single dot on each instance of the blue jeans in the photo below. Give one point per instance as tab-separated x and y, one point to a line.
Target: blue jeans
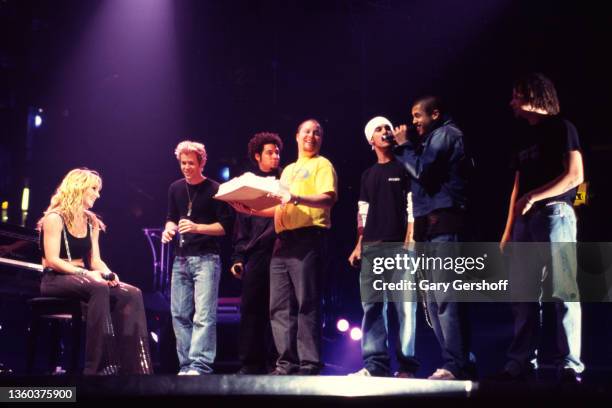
555	223
375	324
374	343
193	304
449	320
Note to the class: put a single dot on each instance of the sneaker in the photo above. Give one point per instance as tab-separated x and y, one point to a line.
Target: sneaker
361	373
403	374
509	376
278	371
246	370
308	370
505	376
569	376
442	374
189	372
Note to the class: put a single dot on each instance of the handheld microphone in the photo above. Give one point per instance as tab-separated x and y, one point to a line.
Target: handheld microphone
182	236
388	138
108	276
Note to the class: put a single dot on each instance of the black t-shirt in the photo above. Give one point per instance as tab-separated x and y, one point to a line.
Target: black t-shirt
251	233
205	210
385	187
540	158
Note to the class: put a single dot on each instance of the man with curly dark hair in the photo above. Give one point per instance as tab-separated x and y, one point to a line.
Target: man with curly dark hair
263	144
253	243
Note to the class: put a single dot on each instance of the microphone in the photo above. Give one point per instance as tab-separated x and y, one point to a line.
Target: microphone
411	135
182	236
108	276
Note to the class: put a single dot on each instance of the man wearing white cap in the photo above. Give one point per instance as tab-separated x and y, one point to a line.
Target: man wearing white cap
385	203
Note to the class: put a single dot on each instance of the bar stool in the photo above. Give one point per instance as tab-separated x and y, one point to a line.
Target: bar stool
57	310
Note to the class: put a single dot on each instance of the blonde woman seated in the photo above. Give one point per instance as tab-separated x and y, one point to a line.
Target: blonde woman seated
116	325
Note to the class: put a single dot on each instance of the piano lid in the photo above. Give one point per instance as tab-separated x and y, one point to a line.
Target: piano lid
20	258
19	243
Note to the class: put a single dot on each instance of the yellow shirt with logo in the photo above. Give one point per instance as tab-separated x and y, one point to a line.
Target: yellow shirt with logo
307	176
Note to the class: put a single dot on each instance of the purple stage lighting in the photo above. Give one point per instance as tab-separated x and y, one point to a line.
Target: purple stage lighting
356	333
342	325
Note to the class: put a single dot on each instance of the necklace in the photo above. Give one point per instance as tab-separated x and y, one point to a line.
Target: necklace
190	204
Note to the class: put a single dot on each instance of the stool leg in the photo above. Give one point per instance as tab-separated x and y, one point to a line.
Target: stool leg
32	337
76	341
55	344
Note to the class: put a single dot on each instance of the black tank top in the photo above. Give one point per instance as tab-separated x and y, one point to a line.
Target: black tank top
79	247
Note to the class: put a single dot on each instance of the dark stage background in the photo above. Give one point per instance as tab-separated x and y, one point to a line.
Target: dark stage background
122	82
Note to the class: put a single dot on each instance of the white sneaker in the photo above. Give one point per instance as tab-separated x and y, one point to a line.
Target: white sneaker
361	373
442	374
189	372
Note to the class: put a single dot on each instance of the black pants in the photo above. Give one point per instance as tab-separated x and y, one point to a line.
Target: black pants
256	348
117	338
295	299
527	336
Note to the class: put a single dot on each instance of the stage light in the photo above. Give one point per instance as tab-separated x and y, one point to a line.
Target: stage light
224	173
35	118
342	325
356	333
154	337
5	206
25	199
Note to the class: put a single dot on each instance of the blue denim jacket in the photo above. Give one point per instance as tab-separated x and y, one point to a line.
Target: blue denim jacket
439	167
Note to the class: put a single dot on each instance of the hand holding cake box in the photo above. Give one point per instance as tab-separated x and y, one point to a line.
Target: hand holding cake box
251	191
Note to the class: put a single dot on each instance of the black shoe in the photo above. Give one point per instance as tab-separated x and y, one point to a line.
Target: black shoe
309	371
246	370
507	376
278	371
404	374
569	376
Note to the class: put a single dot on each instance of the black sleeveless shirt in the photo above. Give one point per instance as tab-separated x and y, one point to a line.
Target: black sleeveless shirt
79	247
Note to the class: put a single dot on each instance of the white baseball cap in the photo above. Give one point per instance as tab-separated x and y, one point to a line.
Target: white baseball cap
373	124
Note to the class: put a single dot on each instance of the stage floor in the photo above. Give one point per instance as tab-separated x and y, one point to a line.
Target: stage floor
315	390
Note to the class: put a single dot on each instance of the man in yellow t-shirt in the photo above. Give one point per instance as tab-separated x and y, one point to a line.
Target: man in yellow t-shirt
301	221
307	177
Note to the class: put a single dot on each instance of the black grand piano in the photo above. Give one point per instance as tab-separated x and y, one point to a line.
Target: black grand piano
20	268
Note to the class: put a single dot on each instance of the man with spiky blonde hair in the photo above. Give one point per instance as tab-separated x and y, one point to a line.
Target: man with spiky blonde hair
199	219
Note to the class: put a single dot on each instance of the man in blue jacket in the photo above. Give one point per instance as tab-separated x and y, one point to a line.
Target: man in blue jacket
437	162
